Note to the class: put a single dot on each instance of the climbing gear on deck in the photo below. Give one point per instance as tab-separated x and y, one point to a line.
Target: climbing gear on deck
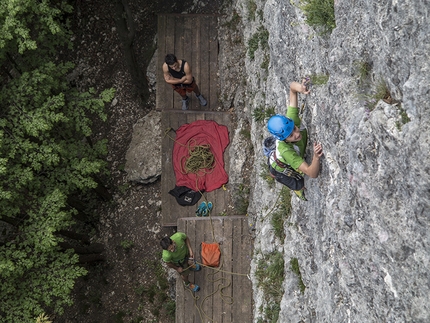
280	126
185	103
201	158
192	287
204	209
211	254
202	100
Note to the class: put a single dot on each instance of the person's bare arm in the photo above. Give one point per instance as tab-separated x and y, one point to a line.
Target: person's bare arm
296	87
190	250
170	79
188	74
313	169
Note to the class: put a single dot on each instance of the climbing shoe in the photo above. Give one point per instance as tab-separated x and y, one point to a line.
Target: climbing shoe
301	194
192	287
202	100
208	209
201	209
185	104
195	267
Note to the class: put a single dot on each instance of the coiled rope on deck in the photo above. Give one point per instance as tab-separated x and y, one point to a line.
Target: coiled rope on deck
200	160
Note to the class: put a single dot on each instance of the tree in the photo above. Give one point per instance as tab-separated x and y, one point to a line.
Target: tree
45	160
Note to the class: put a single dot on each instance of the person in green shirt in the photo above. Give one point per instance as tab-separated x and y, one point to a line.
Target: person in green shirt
178	254
286	162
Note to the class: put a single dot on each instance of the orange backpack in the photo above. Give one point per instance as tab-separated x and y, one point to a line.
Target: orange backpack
210	254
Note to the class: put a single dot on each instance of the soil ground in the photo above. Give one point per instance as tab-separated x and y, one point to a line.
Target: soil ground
130	285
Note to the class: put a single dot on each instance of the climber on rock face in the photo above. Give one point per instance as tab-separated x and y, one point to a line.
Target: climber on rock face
178	74
286	161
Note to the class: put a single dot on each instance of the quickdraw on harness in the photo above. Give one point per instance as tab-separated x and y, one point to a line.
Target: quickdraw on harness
287	169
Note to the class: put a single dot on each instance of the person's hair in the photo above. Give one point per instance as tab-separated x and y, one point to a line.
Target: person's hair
165	243
170	59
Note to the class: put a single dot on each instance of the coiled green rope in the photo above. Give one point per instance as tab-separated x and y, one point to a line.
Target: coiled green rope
200	159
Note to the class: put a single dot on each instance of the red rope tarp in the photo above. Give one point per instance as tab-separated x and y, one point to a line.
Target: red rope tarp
201	132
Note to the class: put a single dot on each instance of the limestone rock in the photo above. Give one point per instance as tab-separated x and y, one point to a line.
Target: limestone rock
143	158
362	239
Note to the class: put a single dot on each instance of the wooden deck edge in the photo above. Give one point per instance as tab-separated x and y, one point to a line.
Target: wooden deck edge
217	217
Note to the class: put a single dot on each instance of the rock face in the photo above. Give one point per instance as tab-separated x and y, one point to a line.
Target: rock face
143	158
362	240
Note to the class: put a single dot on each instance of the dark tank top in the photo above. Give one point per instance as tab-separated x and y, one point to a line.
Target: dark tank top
176	74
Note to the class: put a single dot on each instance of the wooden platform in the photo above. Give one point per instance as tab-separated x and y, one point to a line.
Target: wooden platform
193	38
171	211
234	305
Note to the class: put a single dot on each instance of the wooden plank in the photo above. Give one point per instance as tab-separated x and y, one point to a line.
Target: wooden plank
227	266
181	310
218	276
170	49
204	79
241	284
213	63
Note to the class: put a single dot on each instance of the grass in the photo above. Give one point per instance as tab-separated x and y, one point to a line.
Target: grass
404	118
265	174
282	213
270	276
127	244
319	79
261	114
259	40
242	199
380	92
245	133
363	70
234	22
265	63
294	265
319	14
251	6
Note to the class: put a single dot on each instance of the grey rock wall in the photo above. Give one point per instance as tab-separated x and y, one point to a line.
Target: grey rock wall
362	240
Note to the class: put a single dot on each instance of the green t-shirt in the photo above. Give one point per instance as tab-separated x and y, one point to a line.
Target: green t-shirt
288	152
181	249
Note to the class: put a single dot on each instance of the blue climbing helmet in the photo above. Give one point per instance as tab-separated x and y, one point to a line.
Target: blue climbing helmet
280	126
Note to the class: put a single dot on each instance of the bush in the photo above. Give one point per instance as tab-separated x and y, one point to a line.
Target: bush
319	14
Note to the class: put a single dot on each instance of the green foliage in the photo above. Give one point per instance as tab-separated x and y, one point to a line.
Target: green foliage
379	92
282	212
319	79
127	244
363	70
242	200
170	308
42	318
404	118
261	114
319	14
265	63
270	275
246	133
265	174
45	159
294	265
259	40
234	22
251	6
33	24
